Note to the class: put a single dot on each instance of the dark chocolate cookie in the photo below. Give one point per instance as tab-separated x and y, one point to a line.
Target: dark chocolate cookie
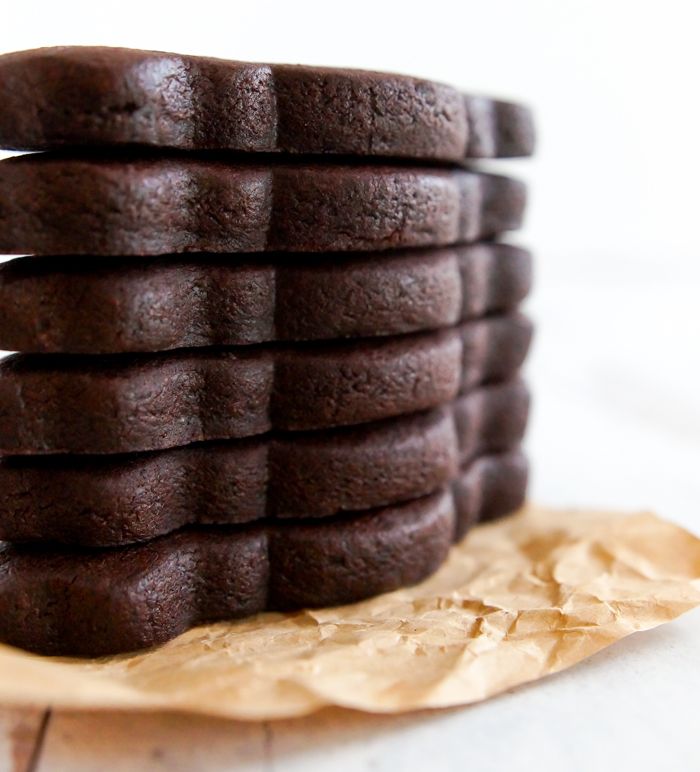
74	305
57	97
118	403
91	603
110	500
134	205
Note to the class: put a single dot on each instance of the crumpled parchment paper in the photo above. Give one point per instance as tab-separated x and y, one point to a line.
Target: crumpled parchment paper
517	600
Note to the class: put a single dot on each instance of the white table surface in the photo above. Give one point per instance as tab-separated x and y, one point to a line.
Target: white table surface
616	423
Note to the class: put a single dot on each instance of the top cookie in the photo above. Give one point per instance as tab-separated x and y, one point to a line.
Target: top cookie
71	96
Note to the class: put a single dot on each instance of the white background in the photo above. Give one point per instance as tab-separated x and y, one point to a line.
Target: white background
616	366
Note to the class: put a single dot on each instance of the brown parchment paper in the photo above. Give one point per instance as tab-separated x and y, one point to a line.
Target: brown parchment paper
517	600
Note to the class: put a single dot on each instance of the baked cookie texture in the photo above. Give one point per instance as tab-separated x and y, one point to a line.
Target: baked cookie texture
78	305
137	402
94	96
62	601
53	204
270	342
110	500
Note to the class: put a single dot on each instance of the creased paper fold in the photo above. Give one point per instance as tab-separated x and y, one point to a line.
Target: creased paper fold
517	600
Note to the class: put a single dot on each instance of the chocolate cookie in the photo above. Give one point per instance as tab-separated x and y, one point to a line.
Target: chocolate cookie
135	205
74	305
110	500
90	603
52	403
56	97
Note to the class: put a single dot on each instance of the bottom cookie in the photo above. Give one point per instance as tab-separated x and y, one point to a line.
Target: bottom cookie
93	603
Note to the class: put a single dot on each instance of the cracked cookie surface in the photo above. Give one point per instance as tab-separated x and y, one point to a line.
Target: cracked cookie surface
135	204
77	305
92	96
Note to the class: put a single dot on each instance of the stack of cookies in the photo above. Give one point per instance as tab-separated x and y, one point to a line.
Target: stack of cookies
270	345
